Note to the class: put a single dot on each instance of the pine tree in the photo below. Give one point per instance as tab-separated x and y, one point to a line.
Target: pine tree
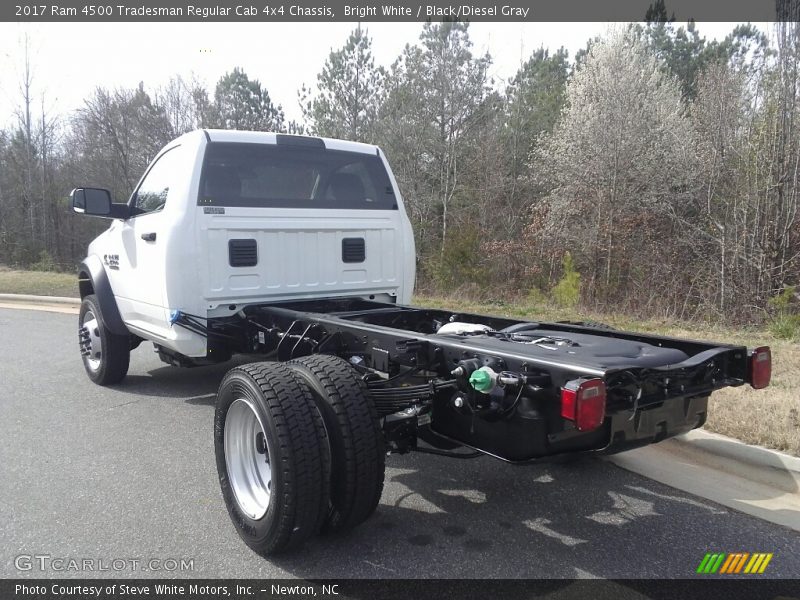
241	103
349	92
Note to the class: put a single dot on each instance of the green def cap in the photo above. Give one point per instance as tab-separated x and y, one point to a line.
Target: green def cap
481	381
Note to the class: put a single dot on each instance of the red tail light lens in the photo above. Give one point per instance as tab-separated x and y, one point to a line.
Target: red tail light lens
584	402
760	367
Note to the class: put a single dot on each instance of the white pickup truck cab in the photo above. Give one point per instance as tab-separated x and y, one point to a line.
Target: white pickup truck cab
224	219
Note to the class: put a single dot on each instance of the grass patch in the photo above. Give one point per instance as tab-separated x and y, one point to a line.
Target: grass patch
769	418
786	327
39	283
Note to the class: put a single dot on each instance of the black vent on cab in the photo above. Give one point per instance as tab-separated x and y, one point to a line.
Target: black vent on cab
353	250
242	253
301	141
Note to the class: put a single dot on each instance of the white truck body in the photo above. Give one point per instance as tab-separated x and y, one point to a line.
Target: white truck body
177	257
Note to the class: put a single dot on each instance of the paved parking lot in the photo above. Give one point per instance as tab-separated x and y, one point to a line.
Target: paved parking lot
128	473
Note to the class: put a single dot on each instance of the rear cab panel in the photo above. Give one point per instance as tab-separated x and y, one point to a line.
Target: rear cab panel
263	223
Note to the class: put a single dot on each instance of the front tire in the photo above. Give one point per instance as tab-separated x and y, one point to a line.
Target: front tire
272	457
106	355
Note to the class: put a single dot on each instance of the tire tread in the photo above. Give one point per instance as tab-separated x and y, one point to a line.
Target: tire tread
304	458
359	464
116	348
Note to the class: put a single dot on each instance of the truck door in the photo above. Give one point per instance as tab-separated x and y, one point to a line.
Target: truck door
139	281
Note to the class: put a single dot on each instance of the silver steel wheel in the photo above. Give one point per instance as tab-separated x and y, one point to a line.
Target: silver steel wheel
247	458
90	341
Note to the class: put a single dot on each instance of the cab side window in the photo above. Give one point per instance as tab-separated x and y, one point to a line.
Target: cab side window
153	192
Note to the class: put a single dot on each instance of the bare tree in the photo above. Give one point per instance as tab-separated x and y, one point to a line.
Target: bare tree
25	118
118	133
621	150
437	96
183	104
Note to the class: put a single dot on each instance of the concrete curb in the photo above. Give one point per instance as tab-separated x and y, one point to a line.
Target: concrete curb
757	481
733	449
28	298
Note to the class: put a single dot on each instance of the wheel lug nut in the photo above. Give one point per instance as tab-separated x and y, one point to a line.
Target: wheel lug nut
261	443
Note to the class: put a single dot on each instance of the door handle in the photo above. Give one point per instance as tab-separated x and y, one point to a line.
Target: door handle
149	237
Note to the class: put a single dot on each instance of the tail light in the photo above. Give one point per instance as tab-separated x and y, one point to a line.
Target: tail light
584	402
760	367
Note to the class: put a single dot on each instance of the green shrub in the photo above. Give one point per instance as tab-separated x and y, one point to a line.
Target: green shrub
536	297
45	262
782	301
785	325
567	292
459	263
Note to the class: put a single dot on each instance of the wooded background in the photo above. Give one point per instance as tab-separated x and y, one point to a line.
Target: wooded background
654	173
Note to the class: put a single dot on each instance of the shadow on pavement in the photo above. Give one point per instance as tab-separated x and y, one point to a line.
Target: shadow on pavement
490	519
194	385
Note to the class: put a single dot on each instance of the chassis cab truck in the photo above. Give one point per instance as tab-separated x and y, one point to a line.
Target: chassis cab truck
298	251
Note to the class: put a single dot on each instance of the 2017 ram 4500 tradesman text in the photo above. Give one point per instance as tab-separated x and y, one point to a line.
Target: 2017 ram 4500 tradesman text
298	250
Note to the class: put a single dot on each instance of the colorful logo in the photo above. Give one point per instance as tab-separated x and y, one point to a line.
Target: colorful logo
735	563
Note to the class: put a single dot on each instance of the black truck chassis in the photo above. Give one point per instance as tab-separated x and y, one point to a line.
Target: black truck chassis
424	388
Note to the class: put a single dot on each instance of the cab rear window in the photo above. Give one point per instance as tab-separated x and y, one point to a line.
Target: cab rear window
266	175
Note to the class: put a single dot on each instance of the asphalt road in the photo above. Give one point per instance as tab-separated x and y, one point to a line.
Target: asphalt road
128	473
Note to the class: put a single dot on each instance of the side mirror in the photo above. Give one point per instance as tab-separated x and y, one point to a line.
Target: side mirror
94	202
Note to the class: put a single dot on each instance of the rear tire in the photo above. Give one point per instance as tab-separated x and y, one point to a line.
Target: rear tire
106	356
272	457
356	440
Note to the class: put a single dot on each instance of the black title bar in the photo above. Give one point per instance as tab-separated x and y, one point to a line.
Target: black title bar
732	588
392	10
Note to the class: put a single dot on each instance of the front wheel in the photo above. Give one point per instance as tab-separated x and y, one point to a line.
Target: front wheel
106	355
273	458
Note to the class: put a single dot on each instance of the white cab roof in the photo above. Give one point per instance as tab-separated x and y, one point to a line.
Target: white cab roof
264	137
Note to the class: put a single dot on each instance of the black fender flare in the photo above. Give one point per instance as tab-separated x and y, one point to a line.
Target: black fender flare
92	269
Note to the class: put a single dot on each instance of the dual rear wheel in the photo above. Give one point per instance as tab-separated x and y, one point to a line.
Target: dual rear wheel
299	450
